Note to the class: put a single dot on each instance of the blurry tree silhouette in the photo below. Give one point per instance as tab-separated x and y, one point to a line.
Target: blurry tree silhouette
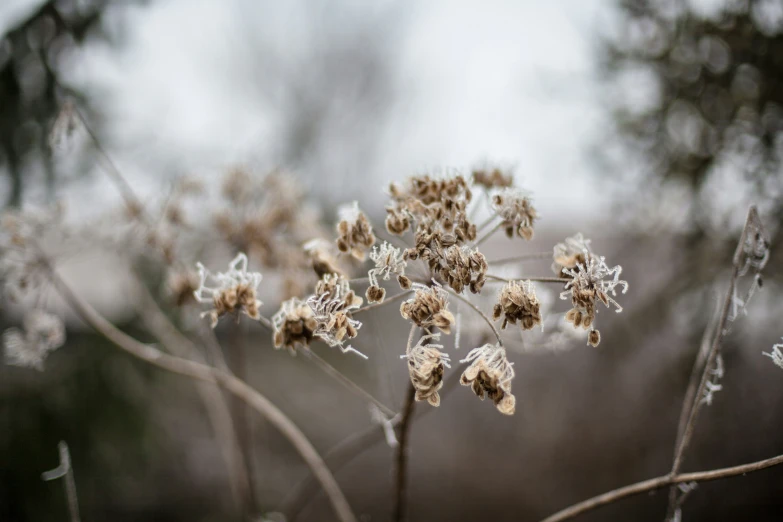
29	85
713	85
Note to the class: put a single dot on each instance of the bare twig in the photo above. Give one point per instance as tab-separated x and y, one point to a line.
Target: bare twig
215	405
385	302
521	258
478	311
348	383
561	280
213	375
65	470
488	234
693	402
401	459
657	483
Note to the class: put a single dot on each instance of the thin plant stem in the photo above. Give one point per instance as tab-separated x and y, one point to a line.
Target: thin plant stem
521	258
658	483
65	470
692	402
345	451
127	192
488	234
478	311
542	279
229	382
215	405
485	224
348	383
401	458
385	302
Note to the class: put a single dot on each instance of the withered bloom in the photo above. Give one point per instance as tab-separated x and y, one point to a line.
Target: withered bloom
518	303
570	252
332	305
586	286
355	232
428	308
293	325
235	291
388	260
490	374
517	212
493	177
426	364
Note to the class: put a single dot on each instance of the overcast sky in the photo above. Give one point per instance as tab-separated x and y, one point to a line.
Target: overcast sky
511	81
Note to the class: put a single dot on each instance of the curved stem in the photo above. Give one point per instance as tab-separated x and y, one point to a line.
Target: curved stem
385	302
478	311
657	483
544	279
521	257
230	383
403	450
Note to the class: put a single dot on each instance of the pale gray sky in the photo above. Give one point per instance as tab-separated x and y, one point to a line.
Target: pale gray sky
505	80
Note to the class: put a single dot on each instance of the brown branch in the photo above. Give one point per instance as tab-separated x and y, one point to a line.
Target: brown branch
693	402
385	302
213	375
478	311
562	280
658	483
403	450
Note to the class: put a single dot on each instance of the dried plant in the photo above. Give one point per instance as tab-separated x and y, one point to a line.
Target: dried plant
490	373
235	291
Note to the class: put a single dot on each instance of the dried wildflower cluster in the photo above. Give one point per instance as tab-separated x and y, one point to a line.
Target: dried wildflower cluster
332	305
428	309
518	303
388	260
570	252
587	284
355	232
294	325
43	333
235	291
492	177
490	373
426	365
517	212
776	354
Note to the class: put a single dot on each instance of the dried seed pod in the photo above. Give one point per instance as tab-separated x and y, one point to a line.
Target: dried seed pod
375	294
428	308
518	303
490	373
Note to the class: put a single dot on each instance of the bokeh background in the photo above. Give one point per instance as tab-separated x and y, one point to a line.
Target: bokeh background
648	126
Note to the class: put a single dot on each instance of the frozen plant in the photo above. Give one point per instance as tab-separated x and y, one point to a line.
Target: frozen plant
42	333
235	290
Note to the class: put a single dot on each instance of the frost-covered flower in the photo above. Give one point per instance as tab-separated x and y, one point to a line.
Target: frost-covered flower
235	290
518	303
294	325
388	260
776	355
490	373
426	365
332	305
517	212
319	251
587	284
570	252
492	177
43	333
355	232
428	308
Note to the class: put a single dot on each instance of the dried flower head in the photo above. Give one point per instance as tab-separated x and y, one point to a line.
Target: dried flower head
323	260
294	325
181	286
570	252
235	291
355	232
517	212
754	252
492	177
428	308
776	355
388	260
43	333
586	285
332	305
490	373
426	364
518	303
